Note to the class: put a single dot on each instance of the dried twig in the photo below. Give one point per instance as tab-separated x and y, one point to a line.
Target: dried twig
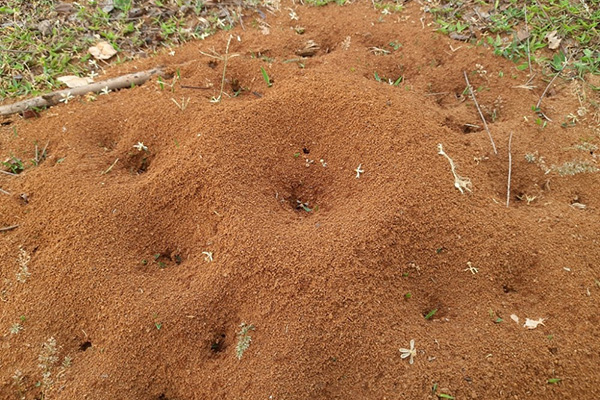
195	87
539	103
109	168
509	170
4	191
8	228
7	173
480	113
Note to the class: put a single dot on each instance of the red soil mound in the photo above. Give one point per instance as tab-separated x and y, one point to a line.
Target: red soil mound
335	272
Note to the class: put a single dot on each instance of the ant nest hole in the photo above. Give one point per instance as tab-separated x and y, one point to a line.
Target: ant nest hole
138	163
300	197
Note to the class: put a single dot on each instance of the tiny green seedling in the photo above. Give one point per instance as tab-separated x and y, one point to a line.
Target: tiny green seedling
395	45
554	381
430	314
14	165
407	295
444	396
266	77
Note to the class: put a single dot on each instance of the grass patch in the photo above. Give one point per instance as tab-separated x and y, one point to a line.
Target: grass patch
43	39
550	26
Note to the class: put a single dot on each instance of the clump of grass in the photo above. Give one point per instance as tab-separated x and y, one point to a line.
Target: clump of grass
47	359
520	33
14	165
571	168
244	339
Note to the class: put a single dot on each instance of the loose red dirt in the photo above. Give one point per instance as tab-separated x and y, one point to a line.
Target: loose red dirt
119	273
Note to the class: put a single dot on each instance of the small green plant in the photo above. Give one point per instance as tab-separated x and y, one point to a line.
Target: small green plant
554	381
430	314
266	77
14	165
407	295
244	339
395	45
225	58
445	396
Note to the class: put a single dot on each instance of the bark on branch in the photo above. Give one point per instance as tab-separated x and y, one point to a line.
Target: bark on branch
54	98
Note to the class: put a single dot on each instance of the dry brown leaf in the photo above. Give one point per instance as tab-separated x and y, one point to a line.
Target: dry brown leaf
553	40
73	81
523	34
102	50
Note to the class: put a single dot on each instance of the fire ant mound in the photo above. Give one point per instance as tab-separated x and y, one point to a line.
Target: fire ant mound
285	236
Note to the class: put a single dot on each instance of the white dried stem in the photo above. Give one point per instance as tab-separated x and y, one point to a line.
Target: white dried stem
509	170
460	183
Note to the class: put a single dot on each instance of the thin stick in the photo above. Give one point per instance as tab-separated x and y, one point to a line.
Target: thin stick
4	191
194	87
480	113
7	173
509	170
539	103
527	30
109	168
8	228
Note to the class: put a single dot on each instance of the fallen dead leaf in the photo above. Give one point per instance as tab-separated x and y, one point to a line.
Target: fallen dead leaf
102	50
73	81
533	323
522	34
553	40
514	318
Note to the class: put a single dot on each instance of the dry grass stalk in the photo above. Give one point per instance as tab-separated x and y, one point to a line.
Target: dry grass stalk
480	113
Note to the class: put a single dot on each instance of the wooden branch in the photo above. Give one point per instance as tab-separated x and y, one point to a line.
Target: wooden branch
8	228
54	98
